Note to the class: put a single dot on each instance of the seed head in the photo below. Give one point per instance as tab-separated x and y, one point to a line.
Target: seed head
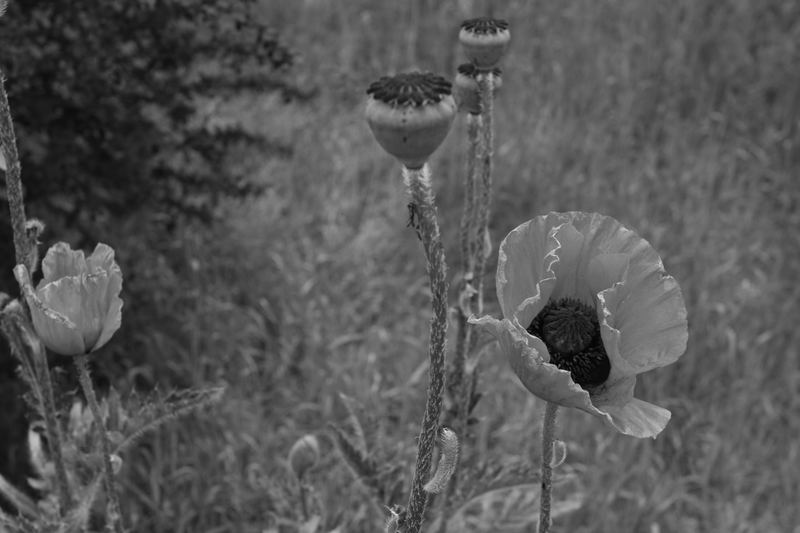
466	89
410	115
485	40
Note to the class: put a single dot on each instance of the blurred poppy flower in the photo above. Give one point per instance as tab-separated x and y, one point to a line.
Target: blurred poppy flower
76	307
587	306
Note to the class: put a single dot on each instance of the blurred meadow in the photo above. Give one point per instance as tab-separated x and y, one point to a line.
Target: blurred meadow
680	119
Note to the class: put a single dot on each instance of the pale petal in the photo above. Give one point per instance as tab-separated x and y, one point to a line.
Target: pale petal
637	418
61	261
570	272
102	259
65	297
650	317
524	275
605	270
113	317
55	330
528	357
94	307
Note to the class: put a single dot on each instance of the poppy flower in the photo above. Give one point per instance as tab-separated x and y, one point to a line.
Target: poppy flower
587	306
76	307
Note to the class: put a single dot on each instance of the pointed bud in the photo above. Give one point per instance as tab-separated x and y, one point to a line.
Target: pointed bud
559	453
304	455
448	460
410	115
485	40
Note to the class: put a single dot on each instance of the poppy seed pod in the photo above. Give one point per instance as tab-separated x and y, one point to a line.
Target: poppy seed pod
466	88
485	40
304	455
410	115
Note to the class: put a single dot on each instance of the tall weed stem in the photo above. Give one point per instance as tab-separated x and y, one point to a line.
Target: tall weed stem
113	515
8	144
548	437
419	186
486	88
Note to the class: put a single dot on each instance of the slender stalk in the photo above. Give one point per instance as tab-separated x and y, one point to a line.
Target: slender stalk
8	144
113	515
54	432
419	186
478	205
548	437
486	88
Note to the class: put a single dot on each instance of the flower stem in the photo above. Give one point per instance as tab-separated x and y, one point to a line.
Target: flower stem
486	88
54	433
8	145
113	514
419	186
548	437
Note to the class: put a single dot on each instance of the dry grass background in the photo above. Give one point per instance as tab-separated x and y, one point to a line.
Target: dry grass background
680	119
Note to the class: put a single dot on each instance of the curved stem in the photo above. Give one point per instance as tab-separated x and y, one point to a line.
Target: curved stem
113	514
419	186
548	437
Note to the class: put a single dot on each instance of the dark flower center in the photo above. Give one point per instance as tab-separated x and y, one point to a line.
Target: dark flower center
410	88
484	25
570	330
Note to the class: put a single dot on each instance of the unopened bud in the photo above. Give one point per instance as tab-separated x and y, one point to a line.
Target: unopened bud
304	455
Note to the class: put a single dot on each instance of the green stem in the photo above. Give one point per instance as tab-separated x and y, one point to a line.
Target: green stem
419	185
548	437
113	515
8	144
456	376
486	88
54	433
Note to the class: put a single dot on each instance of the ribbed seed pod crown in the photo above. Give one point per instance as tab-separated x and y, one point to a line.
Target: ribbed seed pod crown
485	40
410	115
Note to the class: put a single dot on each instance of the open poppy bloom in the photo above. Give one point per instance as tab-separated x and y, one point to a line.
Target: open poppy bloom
76	307
587	306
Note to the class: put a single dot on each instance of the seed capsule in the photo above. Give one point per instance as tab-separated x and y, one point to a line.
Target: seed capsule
485	40
466	90
410	115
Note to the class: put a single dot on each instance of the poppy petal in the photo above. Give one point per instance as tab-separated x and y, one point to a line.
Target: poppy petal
62	261
637	418
525	277
650	316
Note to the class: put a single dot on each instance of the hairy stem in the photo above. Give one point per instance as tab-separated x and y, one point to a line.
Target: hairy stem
486	87
54	433
113	514
419	186
548	437
8	145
